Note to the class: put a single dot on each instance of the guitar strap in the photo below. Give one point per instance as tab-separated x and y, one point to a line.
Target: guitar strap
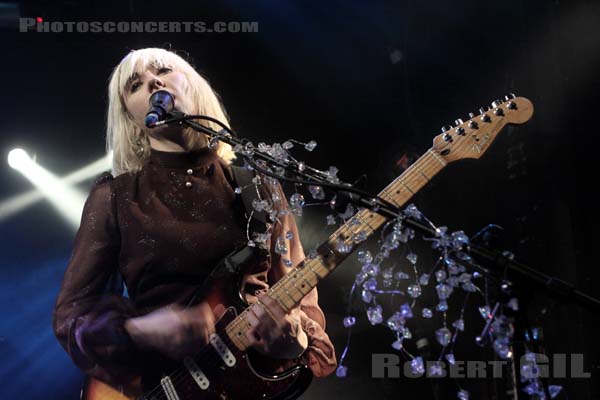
243	179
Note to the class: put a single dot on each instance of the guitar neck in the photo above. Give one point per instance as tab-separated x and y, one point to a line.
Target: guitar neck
290	289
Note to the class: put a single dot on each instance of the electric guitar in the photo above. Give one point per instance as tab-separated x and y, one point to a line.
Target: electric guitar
227	368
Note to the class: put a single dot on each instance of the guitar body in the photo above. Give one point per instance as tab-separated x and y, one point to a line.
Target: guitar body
232	374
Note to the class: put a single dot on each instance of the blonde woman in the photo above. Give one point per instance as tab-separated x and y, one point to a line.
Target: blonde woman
161	223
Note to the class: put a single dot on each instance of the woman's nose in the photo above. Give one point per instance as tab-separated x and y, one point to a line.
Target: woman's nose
156	83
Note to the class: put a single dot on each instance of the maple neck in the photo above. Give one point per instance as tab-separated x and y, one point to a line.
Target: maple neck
290	289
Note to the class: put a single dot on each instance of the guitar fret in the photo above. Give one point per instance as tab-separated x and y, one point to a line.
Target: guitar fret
441	160
291	279
407	188
423	174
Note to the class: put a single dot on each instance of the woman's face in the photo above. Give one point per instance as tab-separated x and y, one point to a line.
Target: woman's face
143	85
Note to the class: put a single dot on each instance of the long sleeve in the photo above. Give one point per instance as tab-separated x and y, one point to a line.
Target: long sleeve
88	318
320	353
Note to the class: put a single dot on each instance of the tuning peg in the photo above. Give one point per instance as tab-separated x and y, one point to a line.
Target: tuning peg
460	131
498	112
512	105
457	122
473	125
447	137
510	96
483	109
471	115
496	103
446	128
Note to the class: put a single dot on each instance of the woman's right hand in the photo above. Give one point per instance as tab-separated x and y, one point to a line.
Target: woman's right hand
173	331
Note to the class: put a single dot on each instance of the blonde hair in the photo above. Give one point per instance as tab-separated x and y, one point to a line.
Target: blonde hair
130	145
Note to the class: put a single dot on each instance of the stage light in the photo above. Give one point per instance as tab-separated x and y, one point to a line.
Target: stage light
20	202
17	158
67	200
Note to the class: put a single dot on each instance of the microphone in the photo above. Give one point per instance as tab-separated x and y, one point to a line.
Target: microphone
161	103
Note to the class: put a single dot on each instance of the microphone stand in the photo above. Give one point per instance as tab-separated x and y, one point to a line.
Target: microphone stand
499	267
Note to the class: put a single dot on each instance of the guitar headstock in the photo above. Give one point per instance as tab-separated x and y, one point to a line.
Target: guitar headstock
472	138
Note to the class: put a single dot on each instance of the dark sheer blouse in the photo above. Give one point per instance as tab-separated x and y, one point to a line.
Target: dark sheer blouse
162	229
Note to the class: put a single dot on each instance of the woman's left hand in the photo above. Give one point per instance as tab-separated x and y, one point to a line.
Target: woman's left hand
274	332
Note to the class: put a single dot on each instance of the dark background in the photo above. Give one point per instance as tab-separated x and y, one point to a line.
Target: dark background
370	82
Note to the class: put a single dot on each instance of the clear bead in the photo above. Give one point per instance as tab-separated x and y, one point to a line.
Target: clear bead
406	311
397	344
450	358
435	370
387	273
554	390
462	395
280	246
372	269
364	256
443	291
424	279
426	313
275	196
342	247
513	304
414	291
417	367
360	237
297	200
371	284
287	145
310	146
332	175
485	312
374	314
395	322
287	262
442	306
412	257
469	287
401	276
459	324
502	348
349	321
367	296
459	239
317	192
440	275
341	371
289	235
238	190
331	220
443	336
412	211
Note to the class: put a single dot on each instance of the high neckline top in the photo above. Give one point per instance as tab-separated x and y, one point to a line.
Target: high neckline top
187	159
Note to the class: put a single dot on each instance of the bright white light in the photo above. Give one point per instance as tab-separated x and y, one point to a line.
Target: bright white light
17	158
59	191
15	204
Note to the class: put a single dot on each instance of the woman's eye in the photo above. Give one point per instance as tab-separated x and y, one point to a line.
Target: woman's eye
135	86
164	70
